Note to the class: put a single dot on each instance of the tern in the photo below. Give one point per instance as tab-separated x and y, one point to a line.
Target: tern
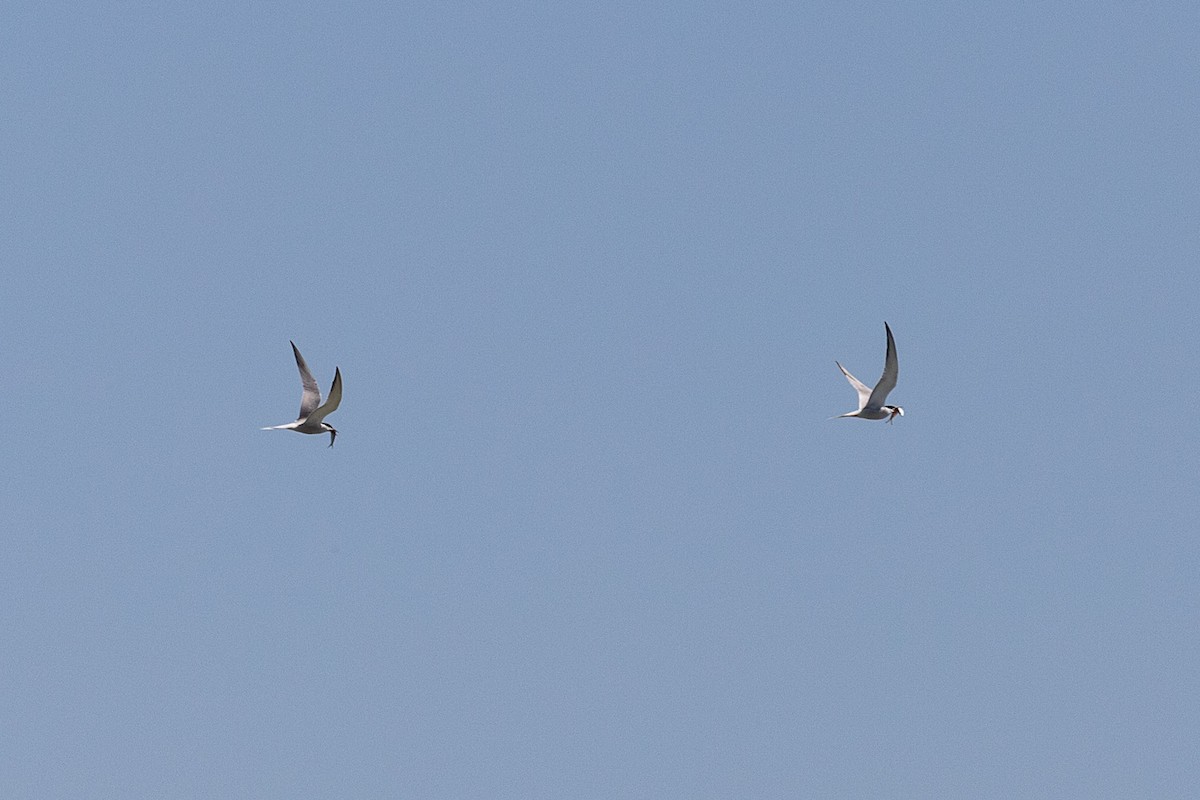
870	401
312	413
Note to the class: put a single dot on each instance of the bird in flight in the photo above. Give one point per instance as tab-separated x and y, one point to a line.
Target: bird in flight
312	413
870	401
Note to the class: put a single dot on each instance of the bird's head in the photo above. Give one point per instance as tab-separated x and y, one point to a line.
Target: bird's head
896	411
332	432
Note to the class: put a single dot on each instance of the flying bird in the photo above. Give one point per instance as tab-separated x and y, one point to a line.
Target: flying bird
312	413
870	401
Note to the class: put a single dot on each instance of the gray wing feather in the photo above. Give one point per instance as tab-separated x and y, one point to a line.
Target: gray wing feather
335	398
859	386
891	371
311	398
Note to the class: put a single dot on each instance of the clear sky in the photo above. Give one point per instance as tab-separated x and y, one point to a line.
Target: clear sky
588	531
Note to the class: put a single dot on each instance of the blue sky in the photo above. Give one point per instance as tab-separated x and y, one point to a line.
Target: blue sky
587	531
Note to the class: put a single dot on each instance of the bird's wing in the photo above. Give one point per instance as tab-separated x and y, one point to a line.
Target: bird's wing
891	371
335	398
311	397
859	386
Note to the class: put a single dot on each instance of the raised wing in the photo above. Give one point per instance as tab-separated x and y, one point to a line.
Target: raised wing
311	397
891	371
335	398
863	391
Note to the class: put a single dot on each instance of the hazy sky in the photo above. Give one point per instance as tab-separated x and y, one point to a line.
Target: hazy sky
588	531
